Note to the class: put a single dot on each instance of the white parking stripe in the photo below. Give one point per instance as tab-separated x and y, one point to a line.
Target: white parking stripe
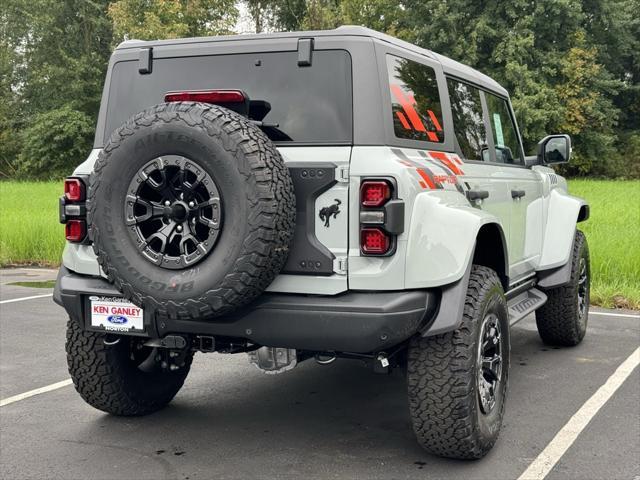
37	391
628	315
544	462
22	299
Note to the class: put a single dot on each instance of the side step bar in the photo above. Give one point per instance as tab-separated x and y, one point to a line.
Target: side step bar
524	303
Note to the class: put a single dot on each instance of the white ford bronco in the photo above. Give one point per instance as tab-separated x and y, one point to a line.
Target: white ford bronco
315	195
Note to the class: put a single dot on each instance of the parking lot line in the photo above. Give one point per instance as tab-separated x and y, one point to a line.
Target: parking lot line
37	391
547	459
22	299
627	315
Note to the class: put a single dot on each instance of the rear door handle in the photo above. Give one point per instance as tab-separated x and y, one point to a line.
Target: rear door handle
518	193
477	195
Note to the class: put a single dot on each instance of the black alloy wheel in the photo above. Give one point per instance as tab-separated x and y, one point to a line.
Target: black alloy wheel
583	291
489	367
173	211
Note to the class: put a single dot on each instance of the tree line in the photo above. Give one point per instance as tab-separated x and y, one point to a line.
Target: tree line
571	66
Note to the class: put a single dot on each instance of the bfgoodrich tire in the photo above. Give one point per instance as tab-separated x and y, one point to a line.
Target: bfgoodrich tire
458	381
191	210
124	377
563	319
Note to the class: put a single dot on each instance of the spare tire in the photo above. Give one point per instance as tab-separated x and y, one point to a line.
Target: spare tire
191	210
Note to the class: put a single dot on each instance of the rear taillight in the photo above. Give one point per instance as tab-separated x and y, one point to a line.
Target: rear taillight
374	193
374	241
75	230
73	209
74	190
381	217
207	96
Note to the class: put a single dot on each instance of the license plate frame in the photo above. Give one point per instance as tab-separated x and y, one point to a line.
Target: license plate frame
114	315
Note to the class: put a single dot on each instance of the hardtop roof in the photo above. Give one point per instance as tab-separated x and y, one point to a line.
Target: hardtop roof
449	65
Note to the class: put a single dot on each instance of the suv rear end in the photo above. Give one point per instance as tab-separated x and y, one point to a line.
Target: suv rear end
315	116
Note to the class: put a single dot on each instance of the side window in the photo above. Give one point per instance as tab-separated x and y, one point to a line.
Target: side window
417	114
468	122
504	131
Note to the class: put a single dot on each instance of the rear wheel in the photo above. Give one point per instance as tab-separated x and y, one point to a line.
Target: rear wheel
563	319
119	375
458	381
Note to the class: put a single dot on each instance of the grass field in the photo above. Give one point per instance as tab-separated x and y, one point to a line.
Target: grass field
30	233
613	233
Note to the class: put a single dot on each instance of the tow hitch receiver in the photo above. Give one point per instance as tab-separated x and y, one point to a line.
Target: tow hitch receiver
274	360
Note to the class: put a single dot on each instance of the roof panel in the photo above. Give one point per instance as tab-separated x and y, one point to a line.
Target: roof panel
450	66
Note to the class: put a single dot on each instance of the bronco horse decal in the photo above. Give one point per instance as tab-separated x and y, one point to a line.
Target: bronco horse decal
327	212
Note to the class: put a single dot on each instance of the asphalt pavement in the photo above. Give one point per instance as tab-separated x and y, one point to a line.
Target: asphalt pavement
315	422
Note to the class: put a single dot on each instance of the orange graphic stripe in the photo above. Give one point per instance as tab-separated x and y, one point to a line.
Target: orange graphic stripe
426	178
414	118
445	159
403	120
434	119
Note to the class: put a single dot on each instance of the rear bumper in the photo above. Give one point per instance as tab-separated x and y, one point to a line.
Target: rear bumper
359	322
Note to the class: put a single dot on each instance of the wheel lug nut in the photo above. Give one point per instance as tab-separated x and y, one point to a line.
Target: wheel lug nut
192	204
167	203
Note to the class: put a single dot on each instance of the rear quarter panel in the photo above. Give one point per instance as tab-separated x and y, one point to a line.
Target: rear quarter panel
440	224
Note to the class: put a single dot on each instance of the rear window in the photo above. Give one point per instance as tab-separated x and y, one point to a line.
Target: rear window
415	100
308	104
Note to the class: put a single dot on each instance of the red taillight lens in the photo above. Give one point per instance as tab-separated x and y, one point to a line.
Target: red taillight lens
374	241
374	193
75	230
74	190
206	96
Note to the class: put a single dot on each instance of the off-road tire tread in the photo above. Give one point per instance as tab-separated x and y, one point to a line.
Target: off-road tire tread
442	387
557	318
99	378
271	226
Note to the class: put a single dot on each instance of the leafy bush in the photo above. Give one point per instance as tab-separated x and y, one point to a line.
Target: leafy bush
55	143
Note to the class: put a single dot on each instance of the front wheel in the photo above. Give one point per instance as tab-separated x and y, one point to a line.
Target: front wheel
458	381
120	375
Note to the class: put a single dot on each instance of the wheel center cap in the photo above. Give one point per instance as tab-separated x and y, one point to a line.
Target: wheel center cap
178	212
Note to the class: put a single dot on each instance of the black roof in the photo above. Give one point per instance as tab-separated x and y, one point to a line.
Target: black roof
450	66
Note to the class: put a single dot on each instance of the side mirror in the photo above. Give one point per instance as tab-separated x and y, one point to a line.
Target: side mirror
554	149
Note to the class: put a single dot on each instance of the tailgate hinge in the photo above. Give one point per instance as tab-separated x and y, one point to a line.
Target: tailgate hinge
342	175
341	265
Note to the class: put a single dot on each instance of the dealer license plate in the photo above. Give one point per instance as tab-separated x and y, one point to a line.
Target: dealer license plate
116	314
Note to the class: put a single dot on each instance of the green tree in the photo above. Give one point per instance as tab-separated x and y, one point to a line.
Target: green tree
588	114
66	51
545	55
161	19
9	141
58	54
288	15
261	13
55	143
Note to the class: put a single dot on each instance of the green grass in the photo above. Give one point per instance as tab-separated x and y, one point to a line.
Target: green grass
35	284
613	234
30	233
29	229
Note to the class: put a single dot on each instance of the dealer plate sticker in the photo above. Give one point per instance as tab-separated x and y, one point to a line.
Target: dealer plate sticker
115	314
